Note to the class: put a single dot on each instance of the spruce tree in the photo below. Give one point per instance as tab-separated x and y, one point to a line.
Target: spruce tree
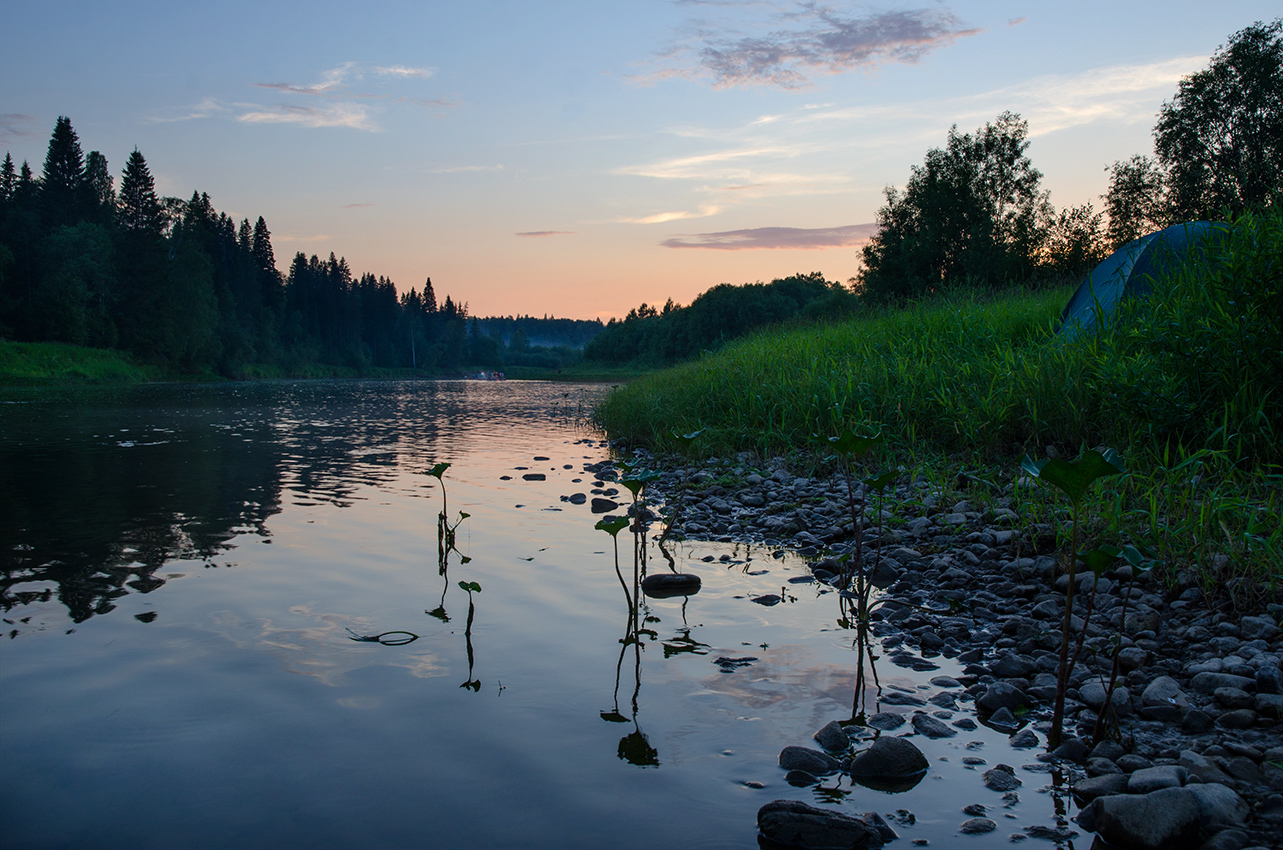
100	188
8	178
138	209
63	190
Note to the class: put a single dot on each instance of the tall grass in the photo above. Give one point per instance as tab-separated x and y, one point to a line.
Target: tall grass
1188	386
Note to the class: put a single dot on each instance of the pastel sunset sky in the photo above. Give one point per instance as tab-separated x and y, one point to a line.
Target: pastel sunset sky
579	158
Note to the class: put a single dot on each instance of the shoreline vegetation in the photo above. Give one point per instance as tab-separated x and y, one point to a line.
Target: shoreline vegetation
963	385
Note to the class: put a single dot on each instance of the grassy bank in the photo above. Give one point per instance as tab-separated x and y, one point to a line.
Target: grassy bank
1187	388
50	363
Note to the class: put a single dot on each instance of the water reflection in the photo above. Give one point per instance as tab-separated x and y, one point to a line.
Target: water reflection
100	487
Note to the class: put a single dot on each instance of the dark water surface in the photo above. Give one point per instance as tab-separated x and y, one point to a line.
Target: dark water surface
184	566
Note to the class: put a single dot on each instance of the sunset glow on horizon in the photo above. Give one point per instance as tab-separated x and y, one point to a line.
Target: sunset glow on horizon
577	159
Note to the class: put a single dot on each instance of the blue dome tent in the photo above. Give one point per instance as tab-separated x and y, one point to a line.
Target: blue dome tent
1132	270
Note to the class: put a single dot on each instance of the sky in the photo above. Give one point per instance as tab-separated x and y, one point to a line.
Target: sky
577	159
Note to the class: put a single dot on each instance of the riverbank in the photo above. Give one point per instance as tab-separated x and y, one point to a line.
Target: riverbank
40	364
1199	696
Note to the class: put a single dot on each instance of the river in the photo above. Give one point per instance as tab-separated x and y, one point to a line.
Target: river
185	569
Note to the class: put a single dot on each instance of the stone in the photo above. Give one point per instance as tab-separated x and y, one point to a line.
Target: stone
886	721
1233	698
662	585
1207	683
1024	739
1240	718
1150	779
833	737
1130	762
977	826
1196	721
603	506
1101	767
1161	820
931	727
890	764
1001	695
812	761
1086	790
1219	805
1269	680
1202	767
1012	666
1107	750
797	824
1003	720
1252	628
1002	778
1164	691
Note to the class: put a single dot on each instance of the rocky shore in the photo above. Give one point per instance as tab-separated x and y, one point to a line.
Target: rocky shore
1195	754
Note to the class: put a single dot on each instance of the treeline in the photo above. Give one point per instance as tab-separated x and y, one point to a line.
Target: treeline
520	333
655	335
180	284
974	215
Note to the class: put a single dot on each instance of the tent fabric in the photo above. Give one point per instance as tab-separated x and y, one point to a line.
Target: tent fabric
1133	270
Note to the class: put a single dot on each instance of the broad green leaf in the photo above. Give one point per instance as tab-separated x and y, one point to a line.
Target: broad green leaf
470	586
1100	559
438	470
687	439
1073	478
612	526
879	482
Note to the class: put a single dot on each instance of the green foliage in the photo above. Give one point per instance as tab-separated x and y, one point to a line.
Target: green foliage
718	315
1221	137
1135	201
972	213
1075	477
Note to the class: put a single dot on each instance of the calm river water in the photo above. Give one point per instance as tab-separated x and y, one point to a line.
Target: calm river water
184	567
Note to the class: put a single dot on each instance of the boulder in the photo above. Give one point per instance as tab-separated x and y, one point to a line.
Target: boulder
931	727
662	585
833	737
797	824
1001	695
1149	779
1087	790
811	761
1162	820
1002	778
890	764
1219	806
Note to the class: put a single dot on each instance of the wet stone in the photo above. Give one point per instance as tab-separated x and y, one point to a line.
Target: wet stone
886	721
1001	778
797	824
931	727
1024	739
977	826
833	737
811	761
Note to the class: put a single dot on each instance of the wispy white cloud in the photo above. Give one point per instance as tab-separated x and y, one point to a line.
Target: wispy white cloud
353	115
760	238
207	108
801	40
704	211
404	71
547	233
16	125
356	206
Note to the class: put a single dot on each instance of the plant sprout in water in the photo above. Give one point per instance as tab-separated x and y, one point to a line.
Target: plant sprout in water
1074	479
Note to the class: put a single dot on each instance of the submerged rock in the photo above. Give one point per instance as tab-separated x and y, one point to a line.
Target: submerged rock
797	824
